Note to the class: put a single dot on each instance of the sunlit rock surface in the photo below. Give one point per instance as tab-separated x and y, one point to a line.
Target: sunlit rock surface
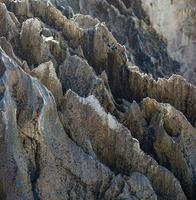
176	21
91	103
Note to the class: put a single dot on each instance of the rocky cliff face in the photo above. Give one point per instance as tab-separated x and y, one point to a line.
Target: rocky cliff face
78	117
176	21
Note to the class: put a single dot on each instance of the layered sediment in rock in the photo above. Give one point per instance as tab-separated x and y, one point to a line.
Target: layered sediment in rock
78	120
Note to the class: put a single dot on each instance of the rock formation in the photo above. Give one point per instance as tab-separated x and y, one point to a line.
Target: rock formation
180	31
91	106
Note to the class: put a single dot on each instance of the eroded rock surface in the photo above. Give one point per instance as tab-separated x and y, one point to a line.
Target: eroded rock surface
176	21
78	120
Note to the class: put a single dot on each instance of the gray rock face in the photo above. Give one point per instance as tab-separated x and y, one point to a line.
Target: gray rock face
129	25
35	149
34	44
110	141
160	135
47	76
81	78
176	21
78	120
9	24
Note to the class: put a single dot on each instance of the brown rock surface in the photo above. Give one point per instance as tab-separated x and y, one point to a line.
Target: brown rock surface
78	120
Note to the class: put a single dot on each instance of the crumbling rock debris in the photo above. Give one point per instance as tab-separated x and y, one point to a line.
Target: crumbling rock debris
78	120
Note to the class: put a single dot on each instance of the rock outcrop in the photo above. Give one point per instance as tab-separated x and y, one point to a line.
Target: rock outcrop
128	24
176	21
78	118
